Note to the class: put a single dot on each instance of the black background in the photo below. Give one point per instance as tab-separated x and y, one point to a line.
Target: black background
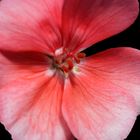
130	37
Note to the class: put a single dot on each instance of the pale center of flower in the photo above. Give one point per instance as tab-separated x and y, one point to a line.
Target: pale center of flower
65	61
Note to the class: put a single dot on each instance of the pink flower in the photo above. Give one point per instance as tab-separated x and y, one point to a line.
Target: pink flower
49	90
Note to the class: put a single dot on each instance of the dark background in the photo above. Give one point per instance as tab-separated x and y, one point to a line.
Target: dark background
130	37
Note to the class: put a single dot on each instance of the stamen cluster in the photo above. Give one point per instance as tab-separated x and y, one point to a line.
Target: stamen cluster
65	61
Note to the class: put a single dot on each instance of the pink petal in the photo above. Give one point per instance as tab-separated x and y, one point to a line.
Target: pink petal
122	67
30	100
15	65
89	21
30	25
99	99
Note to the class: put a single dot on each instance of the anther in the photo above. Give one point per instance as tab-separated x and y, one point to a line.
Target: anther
69	63
64	68
78	57
81	55
77	60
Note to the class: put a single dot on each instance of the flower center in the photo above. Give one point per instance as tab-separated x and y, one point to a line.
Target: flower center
65	61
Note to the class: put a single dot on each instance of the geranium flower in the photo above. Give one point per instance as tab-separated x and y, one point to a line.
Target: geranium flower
49	89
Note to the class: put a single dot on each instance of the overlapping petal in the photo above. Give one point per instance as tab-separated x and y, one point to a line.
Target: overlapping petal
122	67
86	22
100	100
18	65
45	25
30	25
29	105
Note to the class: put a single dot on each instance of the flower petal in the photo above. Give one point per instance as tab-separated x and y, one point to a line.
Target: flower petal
87	22
30	25
30	102
122	67
17	65
33	112
99	96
